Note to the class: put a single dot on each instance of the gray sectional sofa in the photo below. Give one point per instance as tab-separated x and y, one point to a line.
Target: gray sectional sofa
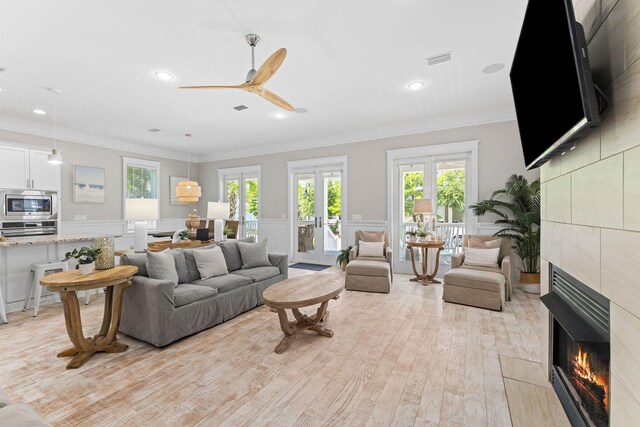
157	312
19	414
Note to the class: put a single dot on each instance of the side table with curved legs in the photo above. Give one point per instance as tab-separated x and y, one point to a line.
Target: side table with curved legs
424	277
67	283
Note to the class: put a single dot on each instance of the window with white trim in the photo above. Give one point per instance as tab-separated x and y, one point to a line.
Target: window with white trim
140	181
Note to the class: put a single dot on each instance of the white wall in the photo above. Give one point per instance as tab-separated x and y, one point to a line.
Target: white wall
88	155
499	156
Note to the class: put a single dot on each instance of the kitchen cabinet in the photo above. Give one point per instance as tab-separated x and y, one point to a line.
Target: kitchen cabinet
27	169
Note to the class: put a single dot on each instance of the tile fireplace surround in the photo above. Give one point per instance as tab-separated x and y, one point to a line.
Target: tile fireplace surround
591	199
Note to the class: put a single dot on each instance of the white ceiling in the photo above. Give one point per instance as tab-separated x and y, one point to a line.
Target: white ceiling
348	64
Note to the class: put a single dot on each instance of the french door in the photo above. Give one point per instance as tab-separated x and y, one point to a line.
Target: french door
445	179
318	210
241	189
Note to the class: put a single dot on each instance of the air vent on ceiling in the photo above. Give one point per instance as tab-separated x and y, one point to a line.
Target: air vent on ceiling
438	59
154	130
240	107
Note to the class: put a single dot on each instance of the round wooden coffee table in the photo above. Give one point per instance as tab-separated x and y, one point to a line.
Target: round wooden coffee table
298	292
425	278
67	283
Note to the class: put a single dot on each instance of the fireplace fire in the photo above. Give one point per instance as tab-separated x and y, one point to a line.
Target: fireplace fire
588	384
580	356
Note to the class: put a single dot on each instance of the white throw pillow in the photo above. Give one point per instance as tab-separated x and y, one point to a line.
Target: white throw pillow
210	262
481	257
370	248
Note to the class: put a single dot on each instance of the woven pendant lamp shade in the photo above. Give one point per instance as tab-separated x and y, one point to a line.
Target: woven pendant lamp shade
188	191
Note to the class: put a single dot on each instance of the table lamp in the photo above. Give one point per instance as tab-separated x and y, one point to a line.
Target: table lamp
141	211
218	212
421	207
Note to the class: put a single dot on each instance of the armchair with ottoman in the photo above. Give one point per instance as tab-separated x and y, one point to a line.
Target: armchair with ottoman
471	283
370	271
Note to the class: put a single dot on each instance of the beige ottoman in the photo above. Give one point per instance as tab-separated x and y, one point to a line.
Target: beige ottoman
368	276
473	287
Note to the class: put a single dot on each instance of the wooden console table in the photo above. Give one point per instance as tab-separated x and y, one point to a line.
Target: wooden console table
298	292
67	283
424	247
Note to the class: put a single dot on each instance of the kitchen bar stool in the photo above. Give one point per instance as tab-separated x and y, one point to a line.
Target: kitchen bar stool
39	271
3	314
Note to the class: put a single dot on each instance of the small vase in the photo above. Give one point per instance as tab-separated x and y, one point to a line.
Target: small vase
105	259
87	268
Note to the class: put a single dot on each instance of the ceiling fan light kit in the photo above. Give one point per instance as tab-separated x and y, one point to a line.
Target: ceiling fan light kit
256	79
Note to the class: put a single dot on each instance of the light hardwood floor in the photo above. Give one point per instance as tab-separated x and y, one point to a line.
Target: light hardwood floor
405	358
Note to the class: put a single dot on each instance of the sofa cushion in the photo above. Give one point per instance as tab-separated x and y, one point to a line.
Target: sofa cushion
138	260
232	253
475	279
210	263
254	254
192	266
181	266
161	266
20	415
224	283
368	268
186	294
258	274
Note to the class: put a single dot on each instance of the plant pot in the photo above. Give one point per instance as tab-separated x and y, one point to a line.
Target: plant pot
530	282
87	268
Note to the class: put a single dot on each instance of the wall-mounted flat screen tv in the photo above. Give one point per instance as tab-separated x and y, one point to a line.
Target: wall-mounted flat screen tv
551	81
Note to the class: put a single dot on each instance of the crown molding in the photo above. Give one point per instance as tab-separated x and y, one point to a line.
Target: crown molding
87	138
431	125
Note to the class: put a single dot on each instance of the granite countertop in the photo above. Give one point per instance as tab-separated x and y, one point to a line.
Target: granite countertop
49	239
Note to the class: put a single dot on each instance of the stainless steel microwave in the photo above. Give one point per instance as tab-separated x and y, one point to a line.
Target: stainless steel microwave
29	204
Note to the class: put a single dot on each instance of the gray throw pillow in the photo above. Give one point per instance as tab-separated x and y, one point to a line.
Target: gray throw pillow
232	253
161	265
181	266
137	260
254	254
210	263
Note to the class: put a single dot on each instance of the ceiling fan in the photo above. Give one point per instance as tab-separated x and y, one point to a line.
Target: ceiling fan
256	79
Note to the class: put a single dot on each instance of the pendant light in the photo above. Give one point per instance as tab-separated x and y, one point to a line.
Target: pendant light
55	158
188	191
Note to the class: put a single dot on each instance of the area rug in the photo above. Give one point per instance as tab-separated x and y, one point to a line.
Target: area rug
305	266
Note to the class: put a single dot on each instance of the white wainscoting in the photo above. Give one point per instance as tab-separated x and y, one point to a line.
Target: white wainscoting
276	231
488	228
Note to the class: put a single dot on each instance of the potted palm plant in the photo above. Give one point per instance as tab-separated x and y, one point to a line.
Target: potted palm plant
343	258
517	207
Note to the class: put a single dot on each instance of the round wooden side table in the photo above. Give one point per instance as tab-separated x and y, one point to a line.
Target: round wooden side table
298	292
424	247
67	283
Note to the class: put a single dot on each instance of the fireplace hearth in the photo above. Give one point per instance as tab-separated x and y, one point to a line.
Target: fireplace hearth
580	352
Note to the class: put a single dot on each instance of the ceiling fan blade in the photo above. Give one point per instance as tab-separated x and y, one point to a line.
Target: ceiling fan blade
241	86
275	99
269	67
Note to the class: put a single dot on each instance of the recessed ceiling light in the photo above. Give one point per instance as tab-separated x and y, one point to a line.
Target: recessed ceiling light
163	75
301	110
415	85
38	111
279	115
0	89
493	68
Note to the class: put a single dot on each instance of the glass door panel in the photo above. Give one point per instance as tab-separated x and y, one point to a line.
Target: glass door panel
412	188
306	221
332	213
251	207
450	204
231	196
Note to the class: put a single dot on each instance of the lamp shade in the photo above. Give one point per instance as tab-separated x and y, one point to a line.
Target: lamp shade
188	191
218	210
141	209
423	206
